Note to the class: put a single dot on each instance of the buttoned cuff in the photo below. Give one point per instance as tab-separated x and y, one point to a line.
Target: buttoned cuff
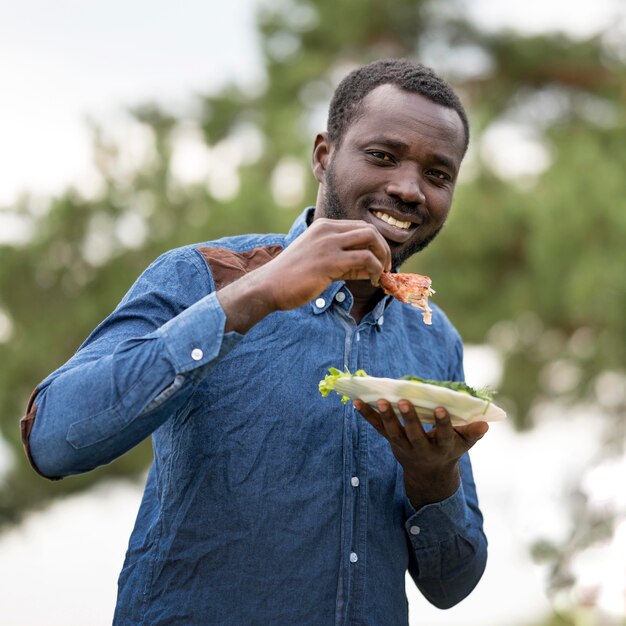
437	522
194	338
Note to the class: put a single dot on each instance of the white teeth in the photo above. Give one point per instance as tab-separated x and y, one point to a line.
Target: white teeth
391	220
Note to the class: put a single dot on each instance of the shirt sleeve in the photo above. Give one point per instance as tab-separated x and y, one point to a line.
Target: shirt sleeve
448	545
137	368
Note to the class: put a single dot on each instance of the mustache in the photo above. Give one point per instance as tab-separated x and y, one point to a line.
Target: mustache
407	208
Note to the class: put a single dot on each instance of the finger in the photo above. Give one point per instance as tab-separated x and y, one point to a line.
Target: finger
367	236
347	234
444	433
329	225
335	225
471	433
355	235
357	265
370	415
393	428
367	258
412	424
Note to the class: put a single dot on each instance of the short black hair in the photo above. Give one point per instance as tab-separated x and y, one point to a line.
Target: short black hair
346	104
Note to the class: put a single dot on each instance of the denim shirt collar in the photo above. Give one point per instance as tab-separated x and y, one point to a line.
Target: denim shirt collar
338	294
300	225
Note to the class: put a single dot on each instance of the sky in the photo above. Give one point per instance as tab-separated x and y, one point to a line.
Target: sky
64	62
579	19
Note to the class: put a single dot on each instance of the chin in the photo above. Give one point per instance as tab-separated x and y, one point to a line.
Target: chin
401	254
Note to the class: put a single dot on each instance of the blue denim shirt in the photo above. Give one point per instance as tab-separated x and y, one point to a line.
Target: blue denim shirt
265	503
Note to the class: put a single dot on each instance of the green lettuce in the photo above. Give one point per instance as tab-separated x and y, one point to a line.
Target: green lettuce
328	384
484	393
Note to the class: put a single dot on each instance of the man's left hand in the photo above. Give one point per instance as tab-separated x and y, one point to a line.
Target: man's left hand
429	459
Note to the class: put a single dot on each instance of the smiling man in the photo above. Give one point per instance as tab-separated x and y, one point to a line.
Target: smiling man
267	504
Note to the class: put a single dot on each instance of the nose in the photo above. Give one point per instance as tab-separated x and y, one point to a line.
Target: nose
405	185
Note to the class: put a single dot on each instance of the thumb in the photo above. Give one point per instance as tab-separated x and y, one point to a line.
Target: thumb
473	432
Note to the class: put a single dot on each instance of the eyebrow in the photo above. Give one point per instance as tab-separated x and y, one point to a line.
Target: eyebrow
387	141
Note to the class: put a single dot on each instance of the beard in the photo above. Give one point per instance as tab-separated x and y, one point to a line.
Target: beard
336	210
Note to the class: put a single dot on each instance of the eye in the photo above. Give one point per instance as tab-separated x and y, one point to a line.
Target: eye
381	156
439	176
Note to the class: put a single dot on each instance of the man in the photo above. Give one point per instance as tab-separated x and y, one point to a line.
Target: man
267	504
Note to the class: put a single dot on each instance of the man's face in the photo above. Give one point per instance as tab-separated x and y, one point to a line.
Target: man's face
395	168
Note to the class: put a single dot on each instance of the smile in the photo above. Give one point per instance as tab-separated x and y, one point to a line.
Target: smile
385	217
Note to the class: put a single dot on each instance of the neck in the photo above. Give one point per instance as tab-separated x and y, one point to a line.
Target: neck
365	297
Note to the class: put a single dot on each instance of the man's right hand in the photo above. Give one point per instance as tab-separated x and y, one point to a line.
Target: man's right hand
328	250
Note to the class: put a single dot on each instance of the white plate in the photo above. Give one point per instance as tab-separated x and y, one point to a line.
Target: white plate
462	407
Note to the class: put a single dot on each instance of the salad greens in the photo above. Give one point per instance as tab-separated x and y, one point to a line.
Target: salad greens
328	384
482	394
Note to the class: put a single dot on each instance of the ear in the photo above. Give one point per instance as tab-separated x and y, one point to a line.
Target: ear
322	150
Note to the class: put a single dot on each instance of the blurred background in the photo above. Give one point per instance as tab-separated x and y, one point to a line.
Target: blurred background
127	129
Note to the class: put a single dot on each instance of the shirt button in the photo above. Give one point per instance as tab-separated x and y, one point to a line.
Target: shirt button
340	296
415	530
354	481
197	354
353	557
320	302
381	319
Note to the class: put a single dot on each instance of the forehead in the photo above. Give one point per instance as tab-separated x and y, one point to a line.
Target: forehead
408	117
